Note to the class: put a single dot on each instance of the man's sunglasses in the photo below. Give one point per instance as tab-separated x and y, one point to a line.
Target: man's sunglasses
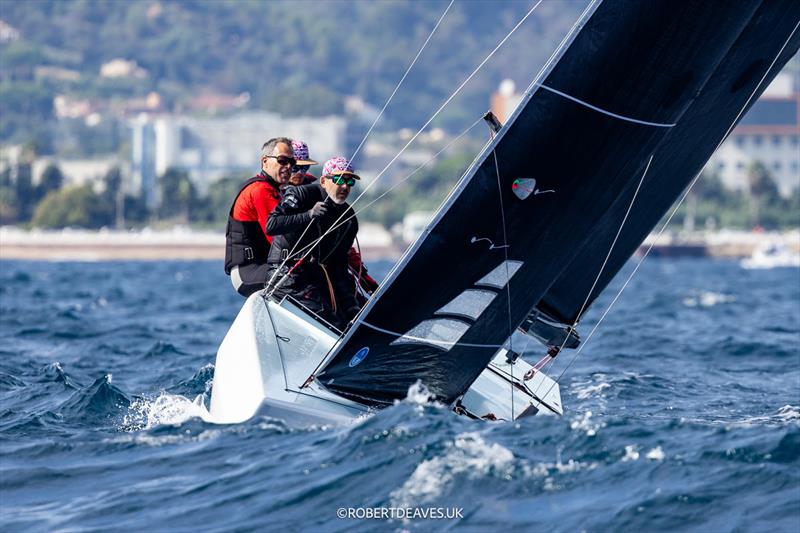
342	180
283	160
301	168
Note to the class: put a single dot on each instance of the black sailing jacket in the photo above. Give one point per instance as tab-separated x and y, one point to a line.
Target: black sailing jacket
288	222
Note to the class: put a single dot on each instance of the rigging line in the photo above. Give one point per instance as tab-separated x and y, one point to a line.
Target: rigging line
278	340
600	273
604	111
393	187
677	206
435	114
449	99
380	114
467	175
419	53
508	276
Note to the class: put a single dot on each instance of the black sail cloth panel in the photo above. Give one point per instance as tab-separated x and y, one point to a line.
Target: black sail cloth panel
440	317
737	82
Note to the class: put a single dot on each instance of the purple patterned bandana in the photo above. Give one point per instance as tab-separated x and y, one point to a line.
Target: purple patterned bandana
337	166
300	149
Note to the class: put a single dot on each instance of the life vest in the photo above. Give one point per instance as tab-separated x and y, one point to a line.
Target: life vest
245	242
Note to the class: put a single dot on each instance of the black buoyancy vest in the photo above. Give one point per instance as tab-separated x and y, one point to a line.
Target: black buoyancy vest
244	241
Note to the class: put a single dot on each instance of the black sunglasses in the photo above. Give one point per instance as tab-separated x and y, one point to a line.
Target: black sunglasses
301	168
283	160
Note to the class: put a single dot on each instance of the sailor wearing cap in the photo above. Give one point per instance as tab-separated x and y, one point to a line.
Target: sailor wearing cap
300	174
319	281
246	241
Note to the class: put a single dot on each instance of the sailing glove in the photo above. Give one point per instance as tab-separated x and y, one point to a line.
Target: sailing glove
319	210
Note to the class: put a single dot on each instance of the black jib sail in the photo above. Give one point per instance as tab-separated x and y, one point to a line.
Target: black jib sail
579	144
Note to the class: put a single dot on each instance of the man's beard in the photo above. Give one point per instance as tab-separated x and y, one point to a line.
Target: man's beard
336	200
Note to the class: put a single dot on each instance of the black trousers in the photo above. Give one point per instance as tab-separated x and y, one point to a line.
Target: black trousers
250	278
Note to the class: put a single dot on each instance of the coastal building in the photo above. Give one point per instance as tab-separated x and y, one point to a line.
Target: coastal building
505	100
143	160
78	171
769	133
122	68
210	148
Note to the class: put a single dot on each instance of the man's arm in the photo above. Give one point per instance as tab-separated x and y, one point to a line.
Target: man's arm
289	215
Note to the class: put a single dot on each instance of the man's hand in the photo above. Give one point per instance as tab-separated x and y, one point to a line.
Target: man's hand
319	210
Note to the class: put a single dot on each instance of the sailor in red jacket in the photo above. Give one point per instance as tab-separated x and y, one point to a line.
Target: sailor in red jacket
246	240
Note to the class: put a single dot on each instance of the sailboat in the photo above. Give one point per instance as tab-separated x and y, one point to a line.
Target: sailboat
615	127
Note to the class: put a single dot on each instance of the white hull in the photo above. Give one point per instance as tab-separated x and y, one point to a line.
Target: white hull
272	348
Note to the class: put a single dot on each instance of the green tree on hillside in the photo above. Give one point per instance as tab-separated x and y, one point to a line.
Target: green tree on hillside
75	206
762	191
52	179
9	207
220	198
178	195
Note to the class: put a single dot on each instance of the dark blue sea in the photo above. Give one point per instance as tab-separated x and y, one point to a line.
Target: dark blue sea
682	413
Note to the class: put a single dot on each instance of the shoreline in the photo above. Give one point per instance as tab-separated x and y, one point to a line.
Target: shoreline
181	244
184	244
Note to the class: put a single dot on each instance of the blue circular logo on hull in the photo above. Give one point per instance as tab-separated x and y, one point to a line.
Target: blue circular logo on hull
359	356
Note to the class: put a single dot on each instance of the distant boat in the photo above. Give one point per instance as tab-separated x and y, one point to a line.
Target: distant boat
616	125
772	255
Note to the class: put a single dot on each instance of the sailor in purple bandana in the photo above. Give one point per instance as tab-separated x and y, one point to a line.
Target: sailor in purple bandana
300	174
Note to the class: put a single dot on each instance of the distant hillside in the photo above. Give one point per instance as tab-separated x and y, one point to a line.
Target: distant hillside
293	57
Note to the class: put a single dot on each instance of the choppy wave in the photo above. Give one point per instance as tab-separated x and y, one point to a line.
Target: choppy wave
164	409
707	299
679	415
467	455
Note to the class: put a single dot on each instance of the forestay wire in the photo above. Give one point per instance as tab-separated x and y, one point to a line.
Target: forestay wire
508	275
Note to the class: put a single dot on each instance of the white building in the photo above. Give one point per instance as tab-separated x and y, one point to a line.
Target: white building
77	171
122	68
211	148
770	133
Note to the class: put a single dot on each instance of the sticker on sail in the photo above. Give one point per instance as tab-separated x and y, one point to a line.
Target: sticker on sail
524	187
358	357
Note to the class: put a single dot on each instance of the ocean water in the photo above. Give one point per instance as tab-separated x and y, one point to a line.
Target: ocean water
681	414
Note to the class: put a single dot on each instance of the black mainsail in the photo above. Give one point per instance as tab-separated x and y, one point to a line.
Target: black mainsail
528	219
756	57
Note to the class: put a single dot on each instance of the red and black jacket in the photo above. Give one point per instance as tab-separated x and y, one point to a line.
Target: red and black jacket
246	241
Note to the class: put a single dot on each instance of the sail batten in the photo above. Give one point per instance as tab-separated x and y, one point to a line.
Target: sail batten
564	175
